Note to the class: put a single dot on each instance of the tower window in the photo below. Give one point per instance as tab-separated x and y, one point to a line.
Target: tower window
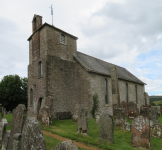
40	69
31	97
62	40
106	93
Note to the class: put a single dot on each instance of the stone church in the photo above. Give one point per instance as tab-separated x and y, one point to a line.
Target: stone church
63	79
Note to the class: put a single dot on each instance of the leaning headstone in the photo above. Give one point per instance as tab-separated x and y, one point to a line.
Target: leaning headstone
119	116
106	128
5	141
140	132
19	117
127	126
45	116
156	130
32	136
132	110
82	122
66	145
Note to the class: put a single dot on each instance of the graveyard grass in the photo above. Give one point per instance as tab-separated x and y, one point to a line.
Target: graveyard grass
68	129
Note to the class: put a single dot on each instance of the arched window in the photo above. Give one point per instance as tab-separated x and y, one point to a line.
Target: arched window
136	94
31	97
127	92
106	93
40	69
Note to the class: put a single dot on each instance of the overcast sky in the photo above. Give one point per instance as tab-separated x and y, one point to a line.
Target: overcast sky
127	33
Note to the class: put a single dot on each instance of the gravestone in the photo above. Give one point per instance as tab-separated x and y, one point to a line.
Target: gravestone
146	112
124	105
97	117
75	118
132	110
140	132
82	121
19	117
32	136
147	101
106	128
156	130
119	116
66	145
17	141
5	141
127	126
45	116
3	122
154	114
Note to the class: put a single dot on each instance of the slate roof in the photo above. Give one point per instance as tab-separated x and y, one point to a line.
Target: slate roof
95	65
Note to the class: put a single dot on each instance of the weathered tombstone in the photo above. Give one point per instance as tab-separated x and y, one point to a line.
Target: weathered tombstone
114	84
4	111
124	105
75	118
106	128
156	130
82	122
17	141
97	117
3	122
32	136
127	126
154	114
19	117
140	132
2	114
66	145
132	110
45	115
119	116
5	141
146	112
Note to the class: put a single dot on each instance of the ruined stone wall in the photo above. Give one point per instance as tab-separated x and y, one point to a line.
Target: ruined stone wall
68	85
131	92
98	85
56	48
37	83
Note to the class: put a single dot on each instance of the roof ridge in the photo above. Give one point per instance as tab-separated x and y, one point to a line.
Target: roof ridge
100	59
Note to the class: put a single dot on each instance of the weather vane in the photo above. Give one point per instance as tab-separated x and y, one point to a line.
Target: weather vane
51	13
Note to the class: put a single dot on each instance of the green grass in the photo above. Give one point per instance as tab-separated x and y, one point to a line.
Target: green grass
158	102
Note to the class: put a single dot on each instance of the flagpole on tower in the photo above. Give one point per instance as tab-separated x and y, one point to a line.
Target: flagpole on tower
51	13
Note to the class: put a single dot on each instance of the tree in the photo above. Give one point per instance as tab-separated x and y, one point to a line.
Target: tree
13	91
153	104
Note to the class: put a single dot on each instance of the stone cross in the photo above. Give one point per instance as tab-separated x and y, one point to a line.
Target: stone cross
119	116
82	121
140	132
106	128
19	117
32	136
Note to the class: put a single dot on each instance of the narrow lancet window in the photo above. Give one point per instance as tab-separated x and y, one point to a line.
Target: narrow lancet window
106	93
136	94
127	92
62	38
40	69
31	97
